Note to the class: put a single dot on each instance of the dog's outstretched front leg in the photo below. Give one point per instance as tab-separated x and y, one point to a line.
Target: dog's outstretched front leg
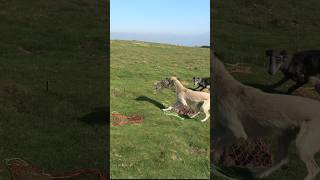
182	101
233	123
167	109
280	82
195	89
202	88
175	105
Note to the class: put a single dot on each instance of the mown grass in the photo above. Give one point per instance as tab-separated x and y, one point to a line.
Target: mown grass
61	42
243	30
163	146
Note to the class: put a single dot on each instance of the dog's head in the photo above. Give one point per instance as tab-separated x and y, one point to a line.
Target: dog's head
196	80
275	60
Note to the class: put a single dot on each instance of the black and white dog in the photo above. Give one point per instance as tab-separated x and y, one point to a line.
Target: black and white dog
201	82
298	67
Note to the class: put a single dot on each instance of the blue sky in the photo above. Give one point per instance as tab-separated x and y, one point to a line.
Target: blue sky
185	22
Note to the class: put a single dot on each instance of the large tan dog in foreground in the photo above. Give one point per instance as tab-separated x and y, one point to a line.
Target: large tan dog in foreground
243	111
196	100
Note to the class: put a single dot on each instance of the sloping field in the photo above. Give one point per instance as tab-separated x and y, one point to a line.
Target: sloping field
62	43
163	146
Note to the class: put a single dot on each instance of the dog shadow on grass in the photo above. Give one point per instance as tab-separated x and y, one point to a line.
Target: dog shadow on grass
150	100
98	116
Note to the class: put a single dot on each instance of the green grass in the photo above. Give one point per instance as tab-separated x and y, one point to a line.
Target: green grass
163	146
61	42
244	29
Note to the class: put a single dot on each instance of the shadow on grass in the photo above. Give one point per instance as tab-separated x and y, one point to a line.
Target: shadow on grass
265	88
152	101
98	116
238	173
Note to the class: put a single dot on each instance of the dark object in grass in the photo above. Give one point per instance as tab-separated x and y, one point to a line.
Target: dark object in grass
298	67
166	83
20	169
120	120
183	110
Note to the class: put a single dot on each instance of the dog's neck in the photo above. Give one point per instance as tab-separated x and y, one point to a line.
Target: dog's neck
222	78
178	85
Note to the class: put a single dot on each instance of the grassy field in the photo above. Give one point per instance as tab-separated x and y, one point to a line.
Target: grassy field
61	42
243	30
163	146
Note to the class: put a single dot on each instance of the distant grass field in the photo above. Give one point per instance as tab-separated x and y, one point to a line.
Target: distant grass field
243	30
61	42
163	146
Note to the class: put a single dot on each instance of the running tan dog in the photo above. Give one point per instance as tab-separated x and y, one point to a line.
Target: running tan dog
243	111
196	100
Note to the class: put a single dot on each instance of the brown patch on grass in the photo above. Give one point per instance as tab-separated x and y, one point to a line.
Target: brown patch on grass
116	92
309	92
14	90
196	150
239	68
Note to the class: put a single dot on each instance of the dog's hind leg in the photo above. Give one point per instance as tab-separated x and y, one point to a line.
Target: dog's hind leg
206	118
281	156
196	114
307	143
198	109
308	158
206	109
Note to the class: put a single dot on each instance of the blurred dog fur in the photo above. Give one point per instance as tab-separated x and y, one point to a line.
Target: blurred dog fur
243	112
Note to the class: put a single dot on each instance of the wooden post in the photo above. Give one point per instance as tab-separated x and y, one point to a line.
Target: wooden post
47	86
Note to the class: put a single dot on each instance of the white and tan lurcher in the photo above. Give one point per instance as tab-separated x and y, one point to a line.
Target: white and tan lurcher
196	100
243	111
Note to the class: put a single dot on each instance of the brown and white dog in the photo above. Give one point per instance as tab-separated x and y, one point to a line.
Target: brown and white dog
196	100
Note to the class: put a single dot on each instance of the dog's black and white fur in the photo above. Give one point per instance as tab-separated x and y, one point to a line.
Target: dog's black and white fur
201	82
298	67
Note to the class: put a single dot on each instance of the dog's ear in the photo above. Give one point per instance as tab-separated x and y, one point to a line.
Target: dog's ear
269	52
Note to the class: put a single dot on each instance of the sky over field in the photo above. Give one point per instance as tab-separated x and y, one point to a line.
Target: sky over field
181	22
